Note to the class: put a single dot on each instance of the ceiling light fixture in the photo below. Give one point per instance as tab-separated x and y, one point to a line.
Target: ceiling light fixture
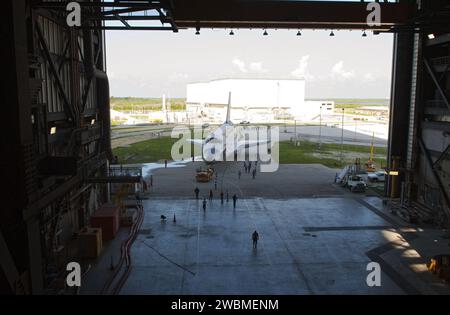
431	36
364	34
265	33
332	34
197	30
299	33
231	33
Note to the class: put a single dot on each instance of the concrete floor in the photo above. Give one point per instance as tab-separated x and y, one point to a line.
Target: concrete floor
306	246
315	238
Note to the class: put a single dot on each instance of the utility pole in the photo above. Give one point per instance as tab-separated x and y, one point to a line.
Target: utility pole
320	128
342	137
356	126
295	128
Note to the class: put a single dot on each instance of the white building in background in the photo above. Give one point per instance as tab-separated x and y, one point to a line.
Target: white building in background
253	100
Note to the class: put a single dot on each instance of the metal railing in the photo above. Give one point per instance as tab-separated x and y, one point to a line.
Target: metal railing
118	170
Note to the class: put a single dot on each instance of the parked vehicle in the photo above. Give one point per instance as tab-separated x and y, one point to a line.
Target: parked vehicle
377	177
356	184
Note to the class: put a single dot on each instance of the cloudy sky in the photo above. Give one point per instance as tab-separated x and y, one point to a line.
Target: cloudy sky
149	64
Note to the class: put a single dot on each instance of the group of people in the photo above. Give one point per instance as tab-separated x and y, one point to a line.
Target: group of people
248	169
211	196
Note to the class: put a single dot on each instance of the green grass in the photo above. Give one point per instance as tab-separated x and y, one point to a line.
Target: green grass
145	151
329	154
159	149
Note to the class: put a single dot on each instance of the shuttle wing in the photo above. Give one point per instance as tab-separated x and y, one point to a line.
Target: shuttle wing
248	144
196	142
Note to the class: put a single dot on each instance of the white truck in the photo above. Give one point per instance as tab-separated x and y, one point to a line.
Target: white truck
356	183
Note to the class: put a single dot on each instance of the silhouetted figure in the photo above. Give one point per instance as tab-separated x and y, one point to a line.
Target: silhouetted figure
197	191
174	219
254	173
163	218
255	238
249	166
165	163
228	199
234	201
210	194
221	197
239	174
204	204
245	167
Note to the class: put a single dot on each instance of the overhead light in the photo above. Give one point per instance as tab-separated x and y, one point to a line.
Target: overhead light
299	33
231	33
197	30
52	130
93	122
393	173
332	34
431	36
265	33
364	34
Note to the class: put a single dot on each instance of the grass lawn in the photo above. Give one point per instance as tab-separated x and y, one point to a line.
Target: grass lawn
328	155
146	151
307	153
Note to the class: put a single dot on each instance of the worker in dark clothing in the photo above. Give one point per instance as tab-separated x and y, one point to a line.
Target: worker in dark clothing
197	191
245	167
165	163
239	174
204	204
249	166
255	238
221	197
254	173
234	201
210	194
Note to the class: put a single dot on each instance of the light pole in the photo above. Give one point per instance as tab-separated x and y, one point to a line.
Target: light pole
356	126
295	128
320	128
342	137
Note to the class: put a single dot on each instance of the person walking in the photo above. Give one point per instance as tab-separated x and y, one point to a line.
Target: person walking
197	191
221	197
234	201
210	194
165	163
204	204
255	238
245	167
239	174
254	173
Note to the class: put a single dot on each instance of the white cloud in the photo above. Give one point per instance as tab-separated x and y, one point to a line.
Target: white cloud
339	72
301	72
369	77
178	77
257	67
240	65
